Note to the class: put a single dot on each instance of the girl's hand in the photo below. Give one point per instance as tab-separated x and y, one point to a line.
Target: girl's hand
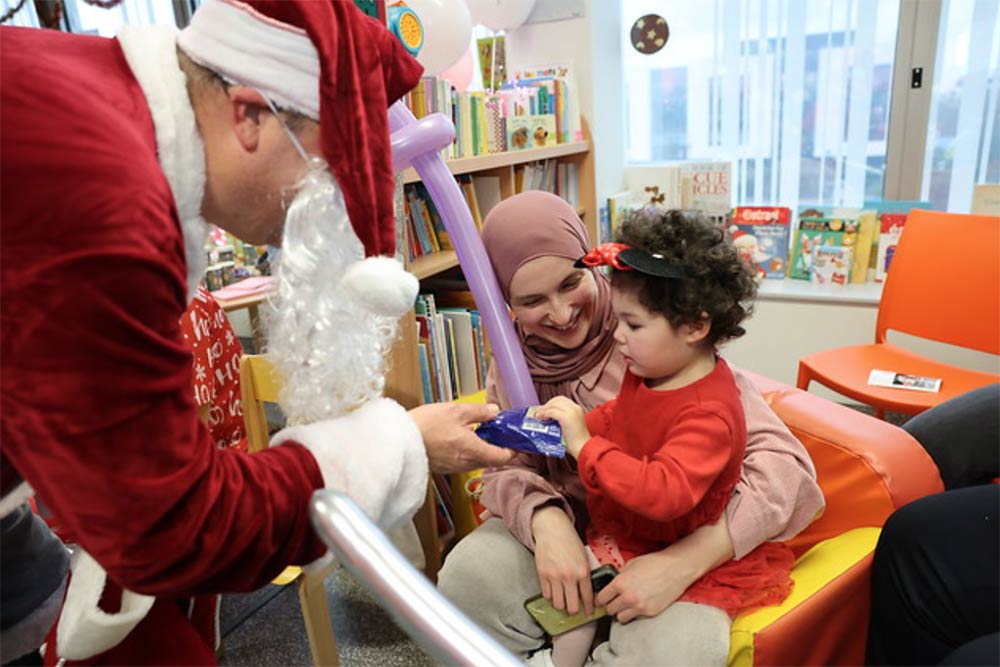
644	588
561	562
649	584
571	419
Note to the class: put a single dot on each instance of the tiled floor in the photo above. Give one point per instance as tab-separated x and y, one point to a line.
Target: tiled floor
265	628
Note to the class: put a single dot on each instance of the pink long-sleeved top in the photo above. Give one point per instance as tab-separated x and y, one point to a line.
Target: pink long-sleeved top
775	498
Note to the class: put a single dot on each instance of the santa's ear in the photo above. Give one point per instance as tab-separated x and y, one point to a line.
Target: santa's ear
246	106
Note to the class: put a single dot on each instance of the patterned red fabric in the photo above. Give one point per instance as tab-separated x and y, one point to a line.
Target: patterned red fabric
660	464
217	353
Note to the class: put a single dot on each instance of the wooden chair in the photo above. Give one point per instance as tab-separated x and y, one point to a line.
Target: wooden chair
259	384
944	285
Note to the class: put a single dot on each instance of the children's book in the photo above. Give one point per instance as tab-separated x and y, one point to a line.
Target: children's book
824	226
861	252
831	265
657	184
707	186
760	234
464	349
519	133
891	228
425	373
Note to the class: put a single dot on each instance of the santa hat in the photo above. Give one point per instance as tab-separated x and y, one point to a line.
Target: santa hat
329	61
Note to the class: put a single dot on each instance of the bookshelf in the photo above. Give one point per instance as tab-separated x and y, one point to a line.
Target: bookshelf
403	379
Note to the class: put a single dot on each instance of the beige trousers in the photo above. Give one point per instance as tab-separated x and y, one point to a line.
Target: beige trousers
489	575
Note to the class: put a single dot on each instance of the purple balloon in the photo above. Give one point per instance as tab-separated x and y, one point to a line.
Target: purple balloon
419	143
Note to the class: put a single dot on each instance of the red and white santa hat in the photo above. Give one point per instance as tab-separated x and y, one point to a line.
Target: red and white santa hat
328	60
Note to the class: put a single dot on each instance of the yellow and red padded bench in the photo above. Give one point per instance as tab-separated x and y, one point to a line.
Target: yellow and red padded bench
866	468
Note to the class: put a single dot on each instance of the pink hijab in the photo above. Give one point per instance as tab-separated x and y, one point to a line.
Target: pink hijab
536	224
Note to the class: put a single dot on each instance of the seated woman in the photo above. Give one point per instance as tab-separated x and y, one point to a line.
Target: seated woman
564	319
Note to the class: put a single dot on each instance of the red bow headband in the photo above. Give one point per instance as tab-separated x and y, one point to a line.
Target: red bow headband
626	258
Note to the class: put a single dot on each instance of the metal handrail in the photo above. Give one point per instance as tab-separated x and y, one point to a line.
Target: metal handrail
419	609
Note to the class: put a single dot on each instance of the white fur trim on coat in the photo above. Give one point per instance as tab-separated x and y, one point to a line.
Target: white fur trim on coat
151	53
84	628
374	454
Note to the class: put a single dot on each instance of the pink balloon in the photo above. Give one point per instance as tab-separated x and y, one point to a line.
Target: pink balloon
460	74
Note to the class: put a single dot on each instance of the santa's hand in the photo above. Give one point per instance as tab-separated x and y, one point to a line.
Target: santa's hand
374	454
450	442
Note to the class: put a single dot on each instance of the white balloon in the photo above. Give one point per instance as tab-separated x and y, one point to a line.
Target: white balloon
500	14
447	32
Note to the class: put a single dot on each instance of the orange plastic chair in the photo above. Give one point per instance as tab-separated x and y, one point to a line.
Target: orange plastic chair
944	285
867	468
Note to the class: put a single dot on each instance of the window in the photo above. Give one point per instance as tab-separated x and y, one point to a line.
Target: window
88	19
795	93
963	135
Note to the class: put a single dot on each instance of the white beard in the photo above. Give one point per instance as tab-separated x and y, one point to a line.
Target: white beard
326	343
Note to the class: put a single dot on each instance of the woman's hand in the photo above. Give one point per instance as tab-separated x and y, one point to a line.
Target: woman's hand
451	444
649	584
561	561
571	419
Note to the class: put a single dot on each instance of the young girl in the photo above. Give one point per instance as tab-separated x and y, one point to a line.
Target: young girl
663	457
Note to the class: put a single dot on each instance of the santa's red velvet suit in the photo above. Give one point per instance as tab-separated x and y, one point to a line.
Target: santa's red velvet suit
102	178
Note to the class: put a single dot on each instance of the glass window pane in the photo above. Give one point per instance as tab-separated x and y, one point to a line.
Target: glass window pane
94	20
795	93
963	136
24	17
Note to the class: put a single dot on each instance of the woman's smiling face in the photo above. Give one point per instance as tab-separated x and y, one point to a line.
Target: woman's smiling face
554	300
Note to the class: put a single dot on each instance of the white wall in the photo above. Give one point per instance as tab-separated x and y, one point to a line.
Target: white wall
592	44
781	331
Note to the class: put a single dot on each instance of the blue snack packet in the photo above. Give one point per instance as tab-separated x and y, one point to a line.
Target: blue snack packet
519	429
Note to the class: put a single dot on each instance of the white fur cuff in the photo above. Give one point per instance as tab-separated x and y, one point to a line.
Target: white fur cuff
374	454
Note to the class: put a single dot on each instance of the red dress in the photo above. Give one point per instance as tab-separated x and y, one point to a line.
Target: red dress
660	464
217	353
96	410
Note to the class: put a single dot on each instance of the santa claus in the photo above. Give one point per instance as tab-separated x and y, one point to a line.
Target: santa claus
267	118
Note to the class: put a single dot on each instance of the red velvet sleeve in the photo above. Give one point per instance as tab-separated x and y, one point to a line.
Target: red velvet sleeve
98	417
693	455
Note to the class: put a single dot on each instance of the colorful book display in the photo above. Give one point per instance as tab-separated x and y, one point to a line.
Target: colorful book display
760	234
821	227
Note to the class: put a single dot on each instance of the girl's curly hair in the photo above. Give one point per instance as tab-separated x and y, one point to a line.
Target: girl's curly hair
720	284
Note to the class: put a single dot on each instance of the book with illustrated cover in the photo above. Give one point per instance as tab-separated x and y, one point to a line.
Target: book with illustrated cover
890	229
760	234
820	227
831	265
518	133
707	186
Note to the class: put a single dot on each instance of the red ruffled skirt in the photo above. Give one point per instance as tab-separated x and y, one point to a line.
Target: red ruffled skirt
760	579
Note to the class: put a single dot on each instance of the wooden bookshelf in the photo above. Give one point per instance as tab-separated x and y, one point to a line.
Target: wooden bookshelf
468	165
426	266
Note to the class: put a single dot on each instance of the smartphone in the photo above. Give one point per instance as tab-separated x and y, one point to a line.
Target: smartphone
556	621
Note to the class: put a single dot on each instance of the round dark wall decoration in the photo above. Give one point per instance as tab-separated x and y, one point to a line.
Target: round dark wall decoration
650	33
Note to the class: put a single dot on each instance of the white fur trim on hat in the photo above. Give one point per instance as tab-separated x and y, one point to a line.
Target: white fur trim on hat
374	454
381	286
235	40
